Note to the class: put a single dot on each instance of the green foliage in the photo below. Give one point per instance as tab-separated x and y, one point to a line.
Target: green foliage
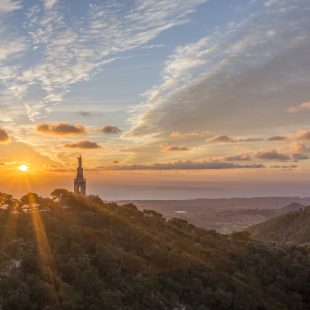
241	235
30	198
292	228
105	256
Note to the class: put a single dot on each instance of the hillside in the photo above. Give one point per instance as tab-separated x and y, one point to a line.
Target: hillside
294	206
81	253
292	227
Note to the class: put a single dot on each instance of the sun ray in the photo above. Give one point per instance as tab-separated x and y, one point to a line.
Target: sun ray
47	265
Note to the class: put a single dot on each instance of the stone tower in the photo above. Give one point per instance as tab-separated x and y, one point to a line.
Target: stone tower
80	181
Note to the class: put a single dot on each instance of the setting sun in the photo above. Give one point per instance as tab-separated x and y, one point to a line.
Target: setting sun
23	168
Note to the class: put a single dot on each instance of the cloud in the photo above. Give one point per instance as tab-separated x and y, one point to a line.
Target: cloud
83	145
187	165
284	166
177	148
272	155
250	140
8	6
221	139
71	50
167	147
229	158
299	156
61	129
238	157
297	147
226	79
49	3
8	49
270	2
304	106
193	133
296	151
302	135
278	138
110	129
86	114
4	136
213	139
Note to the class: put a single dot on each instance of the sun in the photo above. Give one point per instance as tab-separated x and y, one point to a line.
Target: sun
23	168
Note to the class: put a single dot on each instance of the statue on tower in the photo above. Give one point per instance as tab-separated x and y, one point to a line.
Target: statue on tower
80	161
80	181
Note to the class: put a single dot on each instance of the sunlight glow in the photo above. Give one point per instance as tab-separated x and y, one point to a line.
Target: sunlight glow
23	168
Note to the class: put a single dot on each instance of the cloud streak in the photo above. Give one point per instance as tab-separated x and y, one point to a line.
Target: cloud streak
71	50
83	145
278	138
226	79
8	6
187	165
61	129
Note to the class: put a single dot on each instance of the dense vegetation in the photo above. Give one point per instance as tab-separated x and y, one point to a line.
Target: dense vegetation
289	228
81	253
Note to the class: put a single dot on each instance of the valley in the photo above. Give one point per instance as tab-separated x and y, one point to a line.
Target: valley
223	215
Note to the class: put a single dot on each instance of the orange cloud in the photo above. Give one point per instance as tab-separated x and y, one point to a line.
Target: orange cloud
272	155
297	147
221	139
110	129
61	129
302	135
167	147
299	107
278	138
4	136
83	145
238	157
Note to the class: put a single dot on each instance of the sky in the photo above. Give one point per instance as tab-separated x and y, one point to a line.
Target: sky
166	99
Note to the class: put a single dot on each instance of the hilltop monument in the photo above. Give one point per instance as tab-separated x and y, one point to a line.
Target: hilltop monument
80	181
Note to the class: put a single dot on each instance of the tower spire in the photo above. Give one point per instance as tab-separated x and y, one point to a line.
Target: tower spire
80	181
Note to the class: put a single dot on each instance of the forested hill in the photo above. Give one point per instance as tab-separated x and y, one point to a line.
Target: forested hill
292	228
80	253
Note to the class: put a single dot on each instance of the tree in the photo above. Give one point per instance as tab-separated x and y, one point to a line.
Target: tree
241	235
59	193
30	199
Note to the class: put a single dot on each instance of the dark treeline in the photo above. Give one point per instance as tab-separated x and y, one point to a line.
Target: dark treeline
72	252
